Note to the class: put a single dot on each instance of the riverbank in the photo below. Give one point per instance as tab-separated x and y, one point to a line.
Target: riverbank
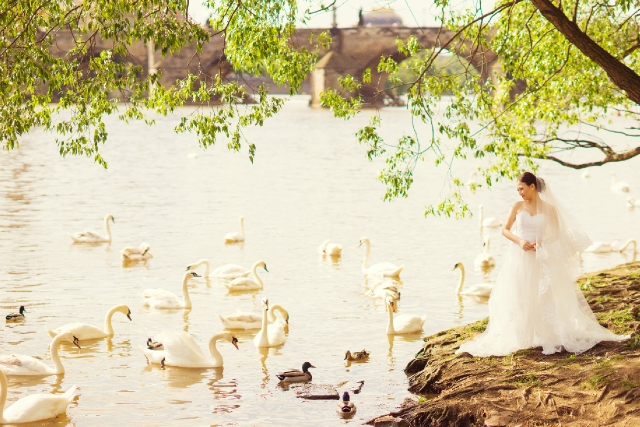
597	388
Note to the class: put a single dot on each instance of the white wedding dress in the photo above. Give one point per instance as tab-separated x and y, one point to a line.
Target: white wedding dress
535	301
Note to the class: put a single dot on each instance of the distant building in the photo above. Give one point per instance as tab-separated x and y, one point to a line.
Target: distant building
379	18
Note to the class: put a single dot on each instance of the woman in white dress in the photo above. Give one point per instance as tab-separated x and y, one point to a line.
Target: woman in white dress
535	301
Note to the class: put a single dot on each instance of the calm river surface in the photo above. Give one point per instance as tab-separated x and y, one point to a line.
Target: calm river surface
310	182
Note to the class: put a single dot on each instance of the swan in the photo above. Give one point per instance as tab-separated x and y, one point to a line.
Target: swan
130	253
473	176
601	247
296	375
631	203
248	283
383	268
490	222
34	407
12	317
235	236
331	249
182	351
346	408
85	331
384	289
91	237
247	320
159	298
226	271
270	334
620	186
19	364
626	245
404	323
480	290
485	259
585	174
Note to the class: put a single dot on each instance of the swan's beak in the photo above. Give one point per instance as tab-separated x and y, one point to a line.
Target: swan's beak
129	316
265	269
234	341
113	220
75	342
360	244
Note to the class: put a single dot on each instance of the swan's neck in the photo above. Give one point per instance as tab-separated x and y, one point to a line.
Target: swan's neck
108	328
107	229
461	282
3	394
242	226
213	348
271	313
264	338
365	263
185	291
629	242
206	262
486	246
254	273
55	358
481	217
390	329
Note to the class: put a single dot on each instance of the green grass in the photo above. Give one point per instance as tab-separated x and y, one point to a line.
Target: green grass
530	380
479	326
621	319
596	382
634	342
628	384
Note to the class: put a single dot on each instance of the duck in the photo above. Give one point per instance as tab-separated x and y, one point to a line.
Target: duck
181	350
627	244
485	260
295	375
490	222
159	298
235	236
480	290
601	247
346	408
19	364
404	323
154	345
91	237
14	317
385	269
631	203
85	331
619	186
248	283
331	249
248	320
34	407
141	253
226	271
357	356
270	334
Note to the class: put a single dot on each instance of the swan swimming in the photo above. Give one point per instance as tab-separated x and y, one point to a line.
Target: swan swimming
331	249
19	364
91	237
601	247
226	271
270	334
485	260
34	407
181	350
247	320
248	283
404	323
630	242
235	236
620	186
631	203
490	222
382	268
141	253
480	290
85	331
159	298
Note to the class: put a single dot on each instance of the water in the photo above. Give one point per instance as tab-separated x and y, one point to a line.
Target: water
310	182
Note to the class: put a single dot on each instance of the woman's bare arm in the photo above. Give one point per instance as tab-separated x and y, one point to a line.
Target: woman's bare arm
506	229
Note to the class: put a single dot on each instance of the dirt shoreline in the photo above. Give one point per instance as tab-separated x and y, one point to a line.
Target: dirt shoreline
600	387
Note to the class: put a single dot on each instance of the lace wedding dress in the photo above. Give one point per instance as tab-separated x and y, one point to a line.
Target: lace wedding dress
535	301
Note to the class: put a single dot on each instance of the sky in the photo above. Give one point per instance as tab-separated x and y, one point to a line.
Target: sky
414	13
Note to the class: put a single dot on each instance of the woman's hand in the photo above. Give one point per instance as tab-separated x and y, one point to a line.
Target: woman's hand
526	246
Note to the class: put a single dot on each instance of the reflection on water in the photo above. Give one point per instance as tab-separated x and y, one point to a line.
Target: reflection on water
307	184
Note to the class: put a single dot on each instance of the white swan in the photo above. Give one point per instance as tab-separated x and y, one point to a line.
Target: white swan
91	237
331	249
248	283
130	253
384	289
620	186
404	323
247	320
490	222
601	247
382	268
19	364
626	245
235	236
480	290
485	260
159	298
226	271
270	334
631	203
85	331
585	174
182	351
34	407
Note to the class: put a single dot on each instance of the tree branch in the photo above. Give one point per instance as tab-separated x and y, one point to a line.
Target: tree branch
610	158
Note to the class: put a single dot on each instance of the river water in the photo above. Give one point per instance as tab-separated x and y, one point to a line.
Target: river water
310	182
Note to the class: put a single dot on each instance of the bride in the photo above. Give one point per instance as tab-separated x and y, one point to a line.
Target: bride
535	301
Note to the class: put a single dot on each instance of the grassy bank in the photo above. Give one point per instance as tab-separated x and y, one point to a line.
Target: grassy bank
598	388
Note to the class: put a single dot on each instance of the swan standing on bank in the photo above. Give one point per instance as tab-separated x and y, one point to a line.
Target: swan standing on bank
248	283
19	364
404	323
490	222
382	268
91	237
35	407
485	260
247	320
226	271
271	334
85	331
331	249
480	290
159	298
620	186
235	236
141	253
182	351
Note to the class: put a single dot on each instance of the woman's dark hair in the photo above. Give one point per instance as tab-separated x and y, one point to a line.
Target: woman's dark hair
529	178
